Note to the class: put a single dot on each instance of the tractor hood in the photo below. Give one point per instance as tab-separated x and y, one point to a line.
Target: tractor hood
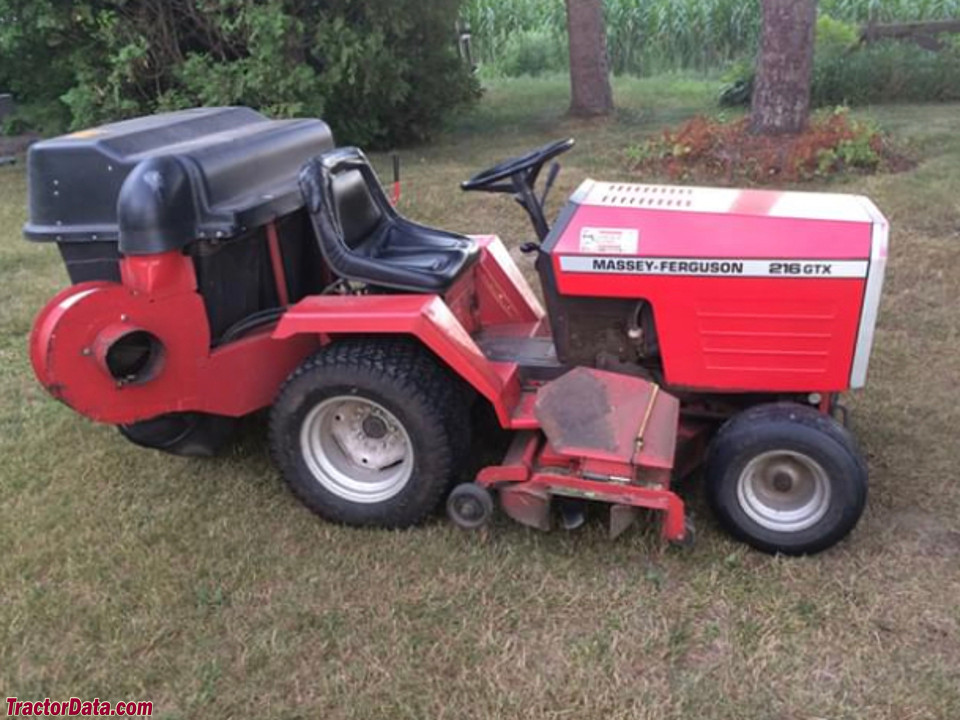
750	288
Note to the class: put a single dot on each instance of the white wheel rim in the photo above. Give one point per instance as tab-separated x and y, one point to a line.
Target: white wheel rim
784	491
356	449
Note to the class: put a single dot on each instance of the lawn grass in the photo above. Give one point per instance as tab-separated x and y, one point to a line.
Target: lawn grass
205	587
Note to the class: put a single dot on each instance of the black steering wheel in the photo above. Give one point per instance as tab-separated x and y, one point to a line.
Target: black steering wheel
531	162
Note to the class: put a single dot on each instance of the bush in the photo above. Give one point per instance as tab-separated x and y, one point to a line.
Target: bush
737	88
847	73
834	37
533	52
887	71
381	72
43	118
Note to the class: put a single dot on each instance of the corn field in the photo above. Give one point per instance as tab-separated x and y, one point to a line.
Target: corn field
647	36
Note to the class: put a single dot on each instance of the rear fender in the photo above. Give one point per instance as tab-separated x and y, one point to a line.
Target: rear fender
425	317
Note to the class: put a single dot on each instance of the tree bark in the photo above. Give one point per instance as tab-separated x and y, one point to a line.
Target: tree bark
590	92
781	93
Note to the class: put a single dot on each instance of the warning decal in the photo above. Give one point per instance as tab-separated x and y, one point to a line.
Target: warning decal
610	241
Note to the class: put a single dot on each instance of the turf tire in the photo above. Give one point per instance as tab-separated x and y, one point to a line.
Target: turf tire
797	429
405	379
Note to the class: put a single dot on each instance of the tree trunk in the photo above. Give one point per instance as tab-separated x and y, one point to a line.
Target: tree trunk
781	94
590	92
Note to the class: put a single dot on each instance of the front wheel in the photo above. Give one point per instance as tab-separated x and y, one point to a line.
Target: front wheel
365	432
785	478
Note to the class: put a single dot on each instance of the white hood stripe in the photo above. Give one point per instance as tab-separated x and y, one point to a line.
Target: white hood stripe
723	267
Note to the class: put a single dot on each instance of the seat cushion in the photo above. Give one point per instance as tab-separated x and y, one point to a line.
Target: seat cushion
406	248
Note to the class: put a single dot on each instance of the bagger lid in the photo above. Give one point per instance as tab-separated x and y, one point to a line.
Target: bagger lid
156	183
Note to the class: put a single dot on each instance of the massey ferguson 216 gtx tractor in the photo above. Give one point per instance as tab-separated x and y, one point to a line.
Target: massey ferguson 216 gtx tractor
223	263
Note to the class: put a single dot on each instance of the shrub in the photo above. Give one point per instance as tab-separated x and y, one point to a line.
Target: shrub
36	62
835	37
737	88
533	52
846	73
887	71
381	72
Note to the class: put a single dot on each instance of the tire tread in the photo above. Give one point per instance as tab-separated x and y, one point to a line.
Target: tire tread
415	374
747	426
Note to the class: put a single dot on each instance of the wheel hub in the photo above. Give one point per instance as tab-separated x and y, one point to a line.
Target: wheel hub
782	482
374	427
784	491
366	438
469	508
357	449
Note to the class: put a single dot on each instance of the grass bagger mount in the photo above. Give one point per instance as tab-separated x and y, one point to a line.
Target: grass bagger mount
223	263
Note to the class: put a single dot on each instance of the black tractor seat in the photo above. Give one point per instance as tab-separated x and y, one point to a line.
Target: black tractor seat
364	239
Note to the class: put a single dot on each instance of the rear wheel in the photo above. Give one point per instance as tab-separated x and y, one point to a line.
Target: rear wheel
187	434
786	479
366	432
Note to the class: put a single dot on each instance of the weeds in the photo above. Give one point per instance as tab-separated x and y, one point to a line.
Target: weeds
705	148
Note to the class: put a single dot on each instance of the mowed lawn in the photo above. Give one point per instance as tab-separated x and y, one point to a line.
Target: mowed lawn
203	586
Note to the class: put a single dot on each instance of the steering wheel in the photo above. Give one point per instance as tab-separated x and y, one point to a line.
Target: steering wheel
532	161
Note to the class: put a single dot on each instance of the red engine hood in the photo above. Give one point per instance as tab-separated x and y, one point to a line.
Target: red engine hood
696	222
752	290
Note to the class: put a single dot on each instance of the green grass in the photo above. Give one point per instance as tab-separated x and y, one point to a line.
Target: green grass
205	587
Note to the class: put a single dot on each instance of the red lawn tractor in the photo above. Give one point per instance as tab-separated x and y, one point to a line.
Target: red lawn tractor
223	263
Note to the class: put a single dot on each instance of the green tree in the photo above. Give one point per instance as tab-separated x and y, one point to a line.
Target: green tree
379	71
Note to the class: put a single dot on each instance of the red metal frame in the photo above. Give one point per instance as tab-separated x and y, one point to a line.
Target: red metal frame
158	294
425	317
276	264
493	293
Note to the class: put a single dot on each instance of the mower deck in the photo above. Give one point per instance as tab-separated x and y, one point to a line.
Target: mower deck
605	437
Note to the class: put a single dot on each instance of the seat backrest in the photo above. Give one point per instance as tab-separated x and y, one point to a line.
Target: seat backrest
345	202
356	208
359	232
